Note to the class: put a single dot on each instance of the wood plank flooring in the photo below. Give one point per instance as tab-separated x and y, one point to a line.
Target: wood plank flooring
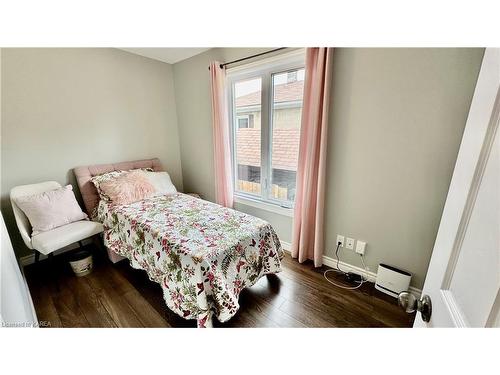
116	295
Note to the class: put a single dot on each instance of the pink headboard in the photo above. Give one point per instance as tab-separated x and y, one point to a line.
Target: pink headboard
85	173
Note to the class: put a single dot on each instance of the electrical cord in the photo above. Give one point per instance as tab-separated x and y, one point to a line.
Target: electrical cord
337	269
338	260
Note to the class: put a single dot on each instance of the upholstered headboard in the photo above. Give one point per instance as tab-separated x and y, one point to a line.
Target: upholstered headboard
85	173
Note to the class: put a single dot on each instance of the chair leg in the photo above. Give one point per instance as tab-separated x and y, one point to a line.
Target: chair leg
53	270
97	242
50	257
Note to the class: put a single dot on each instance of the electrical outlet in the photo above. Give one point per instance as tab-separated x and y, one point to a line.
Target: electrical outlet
340	239
360	247
349	244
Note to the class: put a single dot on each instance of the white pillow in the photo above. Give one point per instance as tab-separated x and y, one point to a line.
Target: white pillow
161	182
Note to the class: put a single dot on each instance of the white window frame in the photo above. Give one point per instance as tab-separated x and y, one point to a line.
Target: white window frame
263	69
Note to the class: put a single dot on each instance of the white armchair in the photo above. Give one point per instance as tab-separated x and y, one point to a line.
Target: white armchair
48	242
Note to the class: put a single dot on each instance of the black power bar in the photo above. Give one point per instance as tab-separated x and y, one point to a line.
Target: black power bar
352	277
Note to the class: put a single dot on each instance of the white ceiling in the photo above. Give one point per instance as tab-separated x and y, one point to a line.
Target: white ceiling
168	55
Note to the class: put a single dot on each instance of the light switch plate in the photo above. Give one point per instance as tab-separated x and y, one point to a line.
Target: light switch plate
349	243
360	247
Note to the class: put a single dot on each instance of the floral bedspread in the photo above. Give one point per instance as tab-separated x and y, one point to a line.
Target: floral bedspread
201	254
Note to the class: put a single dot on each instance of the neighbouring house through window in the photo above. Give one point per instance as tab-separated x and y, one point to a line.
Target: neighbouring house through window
265	111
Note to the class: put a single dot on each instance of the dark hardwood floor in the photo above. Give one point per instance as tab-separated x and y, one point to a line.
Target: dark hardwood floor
116	295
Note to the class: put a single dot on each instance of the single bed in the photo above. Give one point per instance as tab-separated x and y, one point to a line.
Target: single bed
202	254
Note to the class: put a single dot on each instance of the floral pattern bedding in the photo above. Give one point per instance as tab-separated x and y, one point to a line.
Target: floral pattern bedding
201	254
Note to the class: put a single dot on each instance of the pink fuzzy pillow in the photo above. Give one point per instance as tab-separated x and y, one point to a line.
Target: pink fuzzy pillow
128	188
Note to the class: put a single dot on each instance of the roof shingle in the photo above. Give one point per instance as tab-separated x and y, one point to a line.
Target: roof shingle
285	92
285	148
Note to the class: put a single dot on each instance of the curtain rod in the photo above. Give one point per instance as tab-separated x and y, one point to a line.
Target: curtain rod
250	57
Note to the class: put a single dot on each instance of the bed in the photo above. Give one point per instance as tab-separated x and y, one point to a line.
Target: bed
202	254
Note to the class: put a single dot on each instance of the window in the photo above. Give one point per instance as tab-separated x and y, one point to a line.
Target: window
265	110
243	122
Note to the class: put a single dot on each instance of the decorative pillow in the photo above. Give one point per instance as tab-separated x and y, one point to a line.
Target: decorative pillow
97	180
128	188
161	182
51	209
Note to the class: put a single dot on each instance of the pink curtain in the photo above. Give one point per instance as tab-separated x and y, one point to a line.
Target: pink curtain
220	122
308	236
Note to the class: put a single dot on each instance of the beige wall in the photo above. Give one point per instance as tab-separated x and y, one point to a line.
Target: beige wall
67	107
397	117
396	124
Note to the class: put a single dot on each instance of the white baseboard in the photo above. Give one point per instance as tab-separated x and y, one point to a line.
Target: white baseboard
30	259
368	275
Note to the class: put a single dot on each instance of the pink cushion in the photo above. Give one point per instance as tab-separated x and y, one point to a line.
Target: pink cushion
51	209
127	188
106	177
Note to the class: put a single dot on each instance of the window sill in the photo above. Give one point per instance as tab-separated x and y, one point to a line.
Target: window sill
256	203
